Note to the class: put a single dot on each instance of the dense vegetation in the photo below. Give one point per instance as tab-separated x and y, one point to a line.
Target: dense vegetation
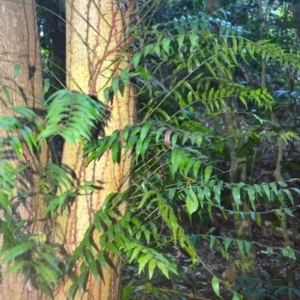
213	205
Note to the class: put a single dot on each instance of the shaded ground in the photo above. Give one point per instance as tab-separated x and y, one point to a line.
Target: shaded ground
276	272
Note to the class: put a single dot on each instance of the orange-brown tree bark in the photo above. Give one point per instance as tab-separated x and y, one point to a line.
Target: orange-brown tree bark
95	43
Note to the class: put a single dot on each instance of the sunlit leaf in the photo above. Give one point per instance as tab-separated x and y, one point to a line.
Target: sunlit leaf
236	196
6	92
151	267
17	70
215	282
192	203
46	85
166	44
136	59
17	251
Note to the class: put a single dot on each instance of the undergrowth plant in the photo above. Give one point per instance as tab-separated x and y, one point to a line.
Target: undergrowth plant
176	176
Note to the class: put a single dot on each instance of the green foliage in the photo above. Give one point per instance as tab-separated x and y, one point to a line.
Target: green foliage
72	116
66	110
177	174
175	169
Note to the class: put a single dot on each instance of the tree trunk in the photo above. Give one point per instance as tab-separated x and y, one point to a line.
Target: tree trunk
19	47
237	174
211	5
95	39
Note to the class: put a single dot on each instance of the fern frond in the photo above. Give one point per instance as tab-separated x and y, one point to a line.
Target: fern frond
72	116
